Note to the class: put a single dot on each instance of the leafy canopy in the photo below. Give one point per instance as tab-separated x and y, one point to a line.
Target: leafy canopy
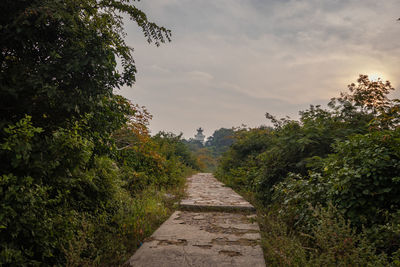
59	60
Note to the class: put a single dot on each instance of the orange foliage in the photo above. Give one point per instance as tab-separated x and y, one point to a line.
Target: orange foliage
136	131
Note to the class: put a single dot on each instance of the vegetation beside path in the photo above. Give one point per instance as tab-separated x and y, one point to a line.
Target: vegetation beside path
82	182
327	186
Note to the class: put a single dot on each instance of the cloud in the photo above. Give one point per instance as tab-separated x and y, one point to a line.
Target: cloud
200	75
230	61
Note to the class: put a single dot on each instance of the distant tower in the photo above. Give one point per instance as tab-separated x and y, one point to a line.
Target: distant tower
199	136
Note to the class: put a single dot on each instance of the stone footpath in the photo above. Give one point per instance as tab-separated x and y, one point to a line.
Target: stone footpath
207	193
215	227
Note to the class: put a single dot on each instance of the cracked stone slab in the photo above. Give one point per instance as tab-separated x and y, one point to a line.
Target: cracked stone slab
208	194
202	239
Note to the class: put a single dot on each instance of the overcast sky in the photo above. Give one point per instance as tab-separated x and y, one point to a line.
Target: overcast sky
230	61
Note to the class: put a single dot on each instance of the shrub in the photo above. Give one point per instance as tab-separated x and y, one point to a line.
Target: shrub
338	244
332	241
363	174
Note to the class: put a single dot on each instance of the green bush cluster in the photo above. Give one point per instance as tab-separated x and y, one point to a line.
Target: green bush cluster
63	204
72	191
347	157
331	241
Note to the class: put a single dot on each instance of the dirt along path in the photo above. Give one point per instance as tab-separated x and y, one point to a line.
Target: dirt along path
214	227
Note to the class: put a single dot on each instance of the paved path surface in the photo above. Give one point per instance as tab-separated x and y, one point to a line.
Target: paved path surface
206	237
207	193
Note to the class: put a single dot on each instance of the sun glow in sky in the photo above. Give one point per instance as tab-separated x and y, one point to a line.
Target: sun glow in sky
375	76
231	61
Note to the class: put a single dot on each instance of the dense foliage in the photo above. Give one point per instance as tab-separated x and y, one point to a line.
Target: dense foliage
220	141
81	182
343	161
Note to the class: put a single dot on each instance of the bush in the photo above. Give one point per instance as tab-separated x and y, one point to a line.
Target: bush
297	195
348	157
338	244
239	167
360	179
363	176
61	204
332	241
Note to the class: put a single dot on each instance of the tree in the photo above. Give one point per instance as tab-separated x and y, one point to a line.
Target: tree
368	96
57	113
298	146
59	66
367	104
221	140
59	61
